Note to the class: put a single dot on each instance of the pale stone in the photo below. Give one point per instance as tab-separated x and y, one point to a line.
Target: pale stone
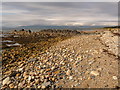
115	77
95	73
71	77
11	85
6	81
45	84
68	72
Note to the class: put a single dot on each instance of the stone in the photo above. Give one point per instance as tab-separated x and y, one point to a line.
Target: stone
37	81
11	85
115	77
20	84
91	62
42	70
24	74
25	77
68	72
53	68
29	78
32	59
17	74
6	81
43	87
57	72
99	69
39	87
13	74
79	57
53	79
20	69
48	69
95	73
45	84
71	77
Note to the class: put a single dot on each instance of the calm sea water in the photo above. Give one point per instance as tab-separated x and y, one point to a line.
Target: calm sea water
36	30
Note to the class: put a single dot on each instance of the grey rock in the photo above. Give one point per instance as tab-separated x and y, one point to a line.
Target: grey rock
45	84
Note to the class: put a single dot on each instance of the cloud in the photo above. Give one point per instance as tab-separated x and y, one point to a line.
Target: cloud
60	0
59	13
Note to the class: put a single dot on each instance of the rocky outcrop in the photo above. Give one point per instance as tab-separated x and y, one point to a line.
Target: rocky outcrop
111	40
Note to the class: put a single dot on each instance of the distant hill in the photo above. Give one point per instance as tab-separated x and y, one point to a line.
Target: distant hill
50	27
113	27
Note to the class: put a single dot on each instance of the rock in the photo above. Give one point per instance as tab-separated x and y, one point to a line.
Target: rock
79	57
39	87
71	77
17	74
32	59
11	85
37	81
68	72
20	69
57	72
21	83
99	69
43	87
53	79
53	68
29	78
45	84
91	62
95	73
13	73
115	77
24	74
42	70
6	81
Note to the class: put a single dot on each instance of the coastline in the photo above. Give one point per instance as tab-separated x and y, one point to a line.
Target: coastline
62	59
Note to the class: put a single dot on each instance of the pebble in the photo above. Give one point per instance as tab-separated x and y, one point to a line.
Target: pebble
45	84
37	81
20	69
95	73
91	62
39	86
11	85
79	57
17	74
68	72
53	68
6	81
115	77
71	77
29	78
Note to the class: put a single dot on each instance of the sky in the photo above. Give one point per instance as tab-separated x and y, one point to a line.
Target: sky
60	0
59	13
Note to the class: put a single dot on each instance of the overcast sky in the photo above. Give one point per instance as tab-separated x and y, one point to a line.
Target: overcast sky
59	13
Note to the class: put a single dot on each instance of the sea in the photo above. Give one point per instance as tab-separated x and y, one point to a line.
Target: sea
36	30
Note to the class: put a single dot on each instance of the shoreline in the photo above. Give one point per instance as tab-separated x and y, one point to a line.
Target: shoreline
67	50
